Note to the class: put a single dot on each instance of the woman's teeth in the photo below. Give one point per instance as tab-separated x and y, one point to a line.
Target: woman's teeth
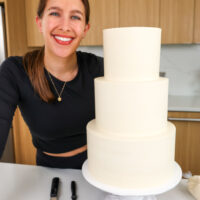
63	39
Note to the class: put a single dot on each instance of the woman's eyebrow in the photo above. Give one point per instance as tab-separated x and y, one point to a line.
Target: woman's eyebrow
54	8
77	11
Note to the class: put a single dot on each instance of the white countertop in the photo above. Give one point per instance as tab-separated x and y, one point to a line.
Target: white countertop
184	103
25	182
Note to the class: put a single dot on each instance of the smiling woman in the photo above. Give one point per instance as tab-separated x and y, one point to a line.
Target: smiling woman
63	24
53	86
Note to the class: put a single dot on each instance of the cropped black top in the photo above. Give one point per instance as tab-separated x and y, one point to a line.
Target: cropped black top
55	127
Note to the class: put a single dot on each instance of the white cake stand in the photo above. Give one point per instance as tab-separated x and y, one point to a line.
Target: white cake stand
127	194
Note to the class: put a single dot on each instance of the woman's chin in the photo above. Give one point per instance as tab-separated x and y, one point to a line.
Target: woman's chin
63	54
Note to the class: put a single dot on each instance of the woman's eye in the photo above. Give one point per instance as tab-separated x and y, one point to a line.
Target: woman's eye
76	17
54	14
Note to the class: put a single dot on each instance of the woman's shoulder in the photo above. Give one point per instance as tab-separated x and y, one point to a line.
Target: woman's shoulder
91	62
11	64
12	69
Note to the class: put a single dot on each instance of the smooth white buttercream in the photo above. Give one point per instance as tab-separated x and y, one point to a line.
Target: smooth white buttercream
130	143
131	107
131	53
132	162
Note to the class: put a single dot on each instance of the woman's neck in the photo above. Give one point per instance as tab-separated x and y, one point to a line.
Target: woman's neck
62	68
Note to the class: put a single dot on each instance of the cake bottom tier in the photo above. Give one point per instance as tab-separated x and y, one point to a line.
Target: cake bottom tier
131	162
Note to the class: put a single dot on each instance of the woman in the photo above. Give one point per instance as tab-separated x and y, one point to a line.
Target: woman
53	86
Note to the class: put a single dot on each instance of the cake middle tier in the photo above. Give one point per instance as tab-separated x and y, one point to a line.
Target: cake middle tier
131	107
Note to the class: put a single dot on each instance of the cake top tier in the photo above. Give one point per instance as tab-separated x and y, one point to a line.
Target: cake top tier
132	53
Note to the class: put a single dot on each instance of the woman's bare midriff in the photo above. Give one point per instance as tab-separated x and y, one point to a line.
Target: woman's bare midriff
69	153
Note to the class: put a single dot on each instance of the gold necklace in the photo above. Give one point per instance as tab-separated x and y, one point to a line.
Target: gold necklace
59	99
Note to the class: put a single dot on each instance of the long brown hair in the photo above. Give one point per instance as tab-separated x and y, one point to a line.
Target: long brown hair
34	61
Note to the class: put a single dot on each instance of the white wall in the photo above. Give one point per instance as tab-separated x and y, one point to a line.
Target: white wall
181	64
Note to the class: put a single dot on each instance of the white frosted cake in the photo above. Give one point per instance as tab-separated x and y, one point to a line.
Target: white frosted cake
130	142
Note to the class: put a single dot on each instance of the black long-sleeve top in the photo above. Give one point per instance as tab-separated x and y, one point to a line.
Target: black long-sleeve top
55	127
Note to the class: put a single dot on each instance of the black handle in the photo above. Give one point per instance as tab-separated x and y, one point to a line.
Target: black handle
73	189
54	187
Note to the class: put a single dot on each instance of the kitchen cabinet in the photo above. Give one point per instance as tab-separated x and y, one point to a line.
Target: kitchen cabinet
187	140
179	19
176	21
25	152
197	22
15	29
104	14
34	37
175	17
139	13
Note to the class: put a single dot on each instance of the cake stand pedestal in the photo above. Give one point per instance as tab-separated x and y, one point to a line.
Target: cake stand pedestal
115	193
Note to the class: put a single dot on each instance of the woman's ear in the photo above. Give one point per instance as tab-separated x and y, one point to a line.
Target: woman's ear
87	27
39	23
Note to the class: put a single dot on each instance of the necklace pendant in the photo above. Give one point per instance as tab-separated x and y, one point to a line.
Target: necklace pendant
59	99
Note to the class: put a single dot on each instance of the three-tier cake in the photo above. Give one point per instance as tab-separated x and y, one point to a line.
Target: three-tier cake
130	142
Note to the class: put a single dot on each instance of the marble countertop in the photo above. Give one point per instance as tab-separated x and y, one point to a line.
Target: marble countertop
184	103
26	182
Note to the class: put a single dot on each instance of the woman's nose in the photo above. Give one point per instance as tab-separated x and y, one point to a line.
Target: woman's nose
65	25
